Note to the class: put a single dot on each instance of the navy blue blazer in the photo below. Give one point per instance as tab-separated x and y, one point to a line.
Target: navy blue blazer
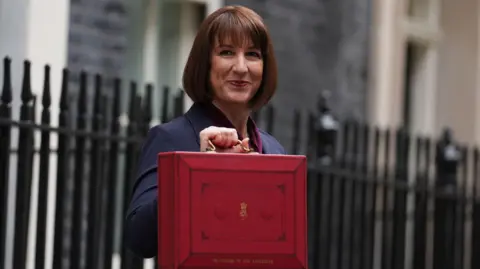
180	134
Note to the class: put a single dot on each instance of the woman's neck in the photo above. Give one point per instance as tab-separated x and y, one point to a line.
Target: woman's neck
237	115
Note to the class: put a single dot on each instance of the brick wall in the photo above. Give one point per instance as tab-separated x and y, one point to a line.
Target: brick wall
97	38
320	45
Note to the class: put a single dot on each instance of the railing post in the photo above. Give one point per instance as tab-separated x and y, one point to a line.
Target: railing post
323	131
24	174
359	180
447	159
367	193
179	104
421	197
128	259
165	101
341	226
95	180
386	220
112	175
371	203
270	119
43	175
63	157
79	186
460	204
5	132
400	199
475	245
297	123
147	109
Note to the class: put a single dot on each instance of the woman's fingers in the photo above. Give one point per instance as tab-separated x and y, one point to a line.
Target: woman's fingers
219	136
225	140
242	147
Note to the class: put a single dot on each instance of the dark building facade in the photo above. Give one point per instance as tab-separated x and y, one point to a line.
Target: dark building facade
97	39
320	45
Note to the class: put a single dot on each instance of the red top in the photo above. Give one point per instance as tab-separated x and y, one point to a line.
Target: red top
220	120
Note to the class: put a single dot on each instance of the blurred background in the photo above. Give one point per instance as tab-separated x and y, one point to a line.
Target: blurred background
381	95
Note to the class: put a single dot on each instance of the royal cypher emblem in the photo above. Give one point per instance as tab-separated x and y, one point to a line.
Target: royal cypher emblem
243	210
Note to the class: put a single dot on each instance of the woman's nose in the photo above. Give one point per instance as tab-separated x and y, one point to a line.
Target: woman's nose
240	64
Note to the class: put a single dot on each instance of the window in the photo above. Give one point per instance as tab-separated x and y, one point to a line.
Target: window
418	9
414	82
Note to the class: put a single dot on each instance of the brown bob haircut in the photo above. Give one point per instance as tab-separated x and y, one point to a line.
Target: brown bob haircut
237	24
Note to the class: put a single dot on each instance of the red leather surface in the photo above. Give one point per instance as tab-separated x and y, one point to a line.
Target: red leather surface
232	211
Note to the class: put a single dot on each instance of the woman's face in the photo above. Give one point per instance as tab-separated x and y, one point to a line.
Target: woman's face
236	72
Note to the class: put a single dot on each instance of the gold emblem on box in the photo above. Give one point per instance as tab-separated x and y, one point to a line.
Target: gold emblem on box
243	210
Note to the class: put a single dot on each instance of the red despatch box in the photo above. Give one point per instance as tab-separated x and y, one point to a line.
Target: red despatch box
231	211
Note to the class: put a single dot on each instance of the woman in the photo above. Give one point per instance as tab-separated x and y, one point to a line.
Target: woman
231	70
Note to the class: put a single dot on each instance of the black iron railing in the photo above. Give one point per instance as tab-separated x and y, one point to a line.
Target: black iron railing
377	198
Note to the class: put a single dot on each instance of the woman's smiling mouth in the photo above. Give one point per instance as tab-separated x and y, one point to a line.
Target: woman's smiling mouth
238	83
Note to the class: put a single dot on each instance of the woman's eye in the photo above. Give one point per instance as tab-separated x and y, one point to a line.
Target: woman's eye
226	52
254	54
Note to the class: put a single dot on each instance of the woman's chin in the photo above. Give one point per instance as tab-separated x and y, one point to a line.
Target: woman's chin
237	98
234	102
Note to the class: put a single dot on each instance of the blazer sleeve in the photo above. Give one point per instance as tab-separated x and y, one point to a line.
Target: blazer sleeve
141	222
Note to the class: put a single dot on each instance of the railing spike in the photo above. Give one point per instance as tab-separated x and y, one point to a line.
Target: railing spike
46	98
64	94
26	94
82	99
98	94
6	96
116	97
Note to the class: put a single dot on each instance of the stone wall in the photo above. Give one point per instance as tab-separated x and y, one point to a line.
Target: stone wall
320	45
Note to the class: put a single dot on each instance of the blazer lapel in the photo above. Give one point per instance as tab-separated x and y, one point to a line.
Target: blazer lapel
198	119
266	146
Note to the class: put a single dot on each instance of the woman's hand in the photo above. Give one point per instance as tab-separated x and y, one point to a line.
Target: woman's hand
225	140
